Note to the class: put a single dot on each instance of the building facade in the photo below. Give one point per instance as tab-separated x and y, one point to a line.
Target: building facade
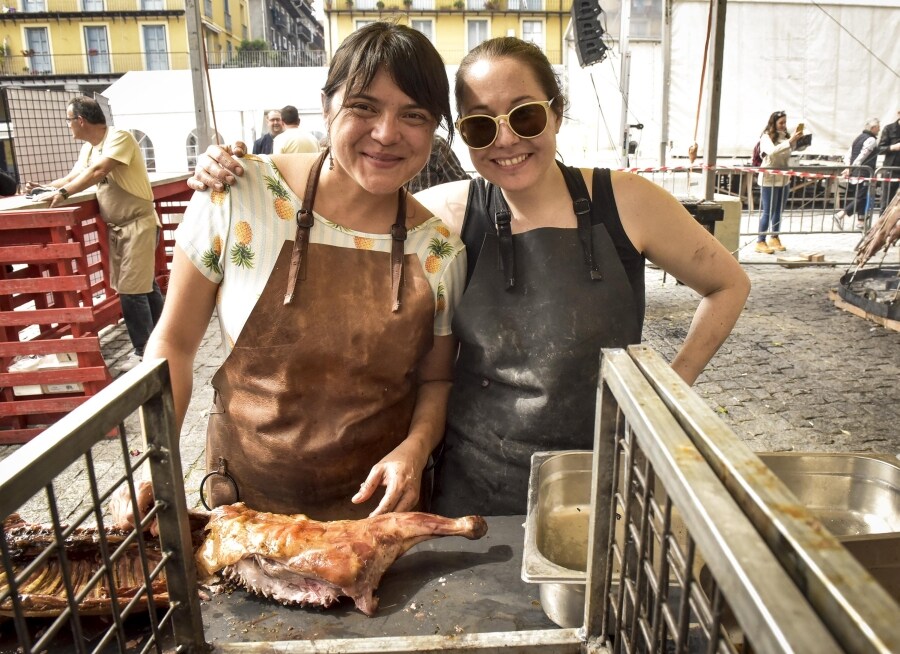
84	45
457	26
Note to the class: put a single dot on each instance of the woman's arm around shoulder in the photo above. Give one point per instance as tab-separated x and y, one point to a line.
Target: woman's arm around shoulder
447	202
670	237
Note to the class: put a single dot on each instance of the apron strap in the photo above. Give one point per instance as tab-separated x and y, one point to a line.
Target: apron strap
398	234
507	258
305	221
581	203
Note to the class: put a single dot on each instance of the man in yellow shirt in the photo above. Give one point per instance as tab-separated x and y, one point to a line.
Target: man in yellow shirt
293	139
111	159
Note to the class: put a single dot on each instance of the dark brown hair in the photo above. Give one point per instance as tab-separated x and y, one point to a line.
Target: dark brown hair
771	129
526	53
405	54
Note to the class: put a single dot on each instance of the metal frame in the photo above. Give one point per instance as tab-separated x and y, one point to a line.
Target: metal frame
34	466
658	596
860	614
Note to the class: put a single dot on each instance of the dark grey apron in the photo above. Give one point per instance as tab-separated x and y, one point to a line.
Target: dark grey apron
526	376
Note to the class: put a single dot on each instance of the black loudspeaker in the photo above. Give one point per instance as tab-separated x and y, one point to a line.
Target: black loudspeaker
588	31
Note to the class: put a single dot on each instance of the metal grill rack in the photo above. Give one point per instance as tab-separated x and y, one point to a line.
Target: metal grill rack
174	615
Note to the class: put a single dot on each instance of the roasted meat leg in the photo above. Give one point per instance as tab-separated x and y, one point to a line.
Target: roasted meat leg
296	560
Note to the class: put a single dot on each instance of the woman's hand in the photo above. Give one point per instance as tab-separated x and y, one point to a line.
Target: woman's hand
217	167
400	472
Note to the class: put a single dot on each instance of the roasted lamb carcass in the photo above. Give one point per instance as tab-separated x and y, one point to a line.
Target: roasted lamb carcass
295	560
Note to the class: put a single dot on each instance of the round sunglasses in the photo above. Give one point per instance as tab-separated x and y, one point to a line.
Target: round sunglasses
526	121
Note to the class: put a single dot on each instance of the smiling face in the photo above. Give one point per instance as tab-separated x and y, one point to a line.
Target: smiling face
380	136
276	127
495	86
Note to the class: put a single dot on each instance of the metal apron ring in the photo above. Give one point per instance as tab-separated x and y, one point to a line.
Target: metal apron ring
222	471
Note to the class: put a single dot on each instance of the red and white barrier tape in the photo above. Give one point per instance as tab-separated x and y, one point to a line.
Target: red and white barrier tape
767	171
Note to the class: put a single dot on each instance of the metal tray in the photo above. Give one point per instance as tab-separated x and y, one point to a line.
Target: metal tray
855	496
850	494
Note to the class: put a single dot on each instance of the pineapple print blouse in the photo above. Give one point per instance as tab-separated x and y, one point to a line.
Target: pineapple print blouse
234	237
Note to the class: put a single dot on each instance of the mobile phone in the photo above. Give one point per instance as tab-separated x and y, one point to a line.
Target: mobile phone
800	127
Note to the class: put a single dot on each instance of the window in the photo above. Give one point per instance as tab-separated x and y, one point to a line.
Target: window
92	5
646	19
227	16
362	23
97	44
191	148
476	32
146	146
33	6
533	30
424	26
152	5
422	5
155	48
475	4
527	5
365	4
38	43
207	8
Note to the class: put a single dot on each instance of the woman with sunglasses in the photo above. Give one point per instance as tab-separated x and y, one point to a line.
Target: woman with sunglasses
334	290
775	146
555	273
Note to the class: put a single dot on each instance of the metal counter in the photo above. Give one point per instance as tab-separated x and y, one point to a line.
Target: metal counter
445	586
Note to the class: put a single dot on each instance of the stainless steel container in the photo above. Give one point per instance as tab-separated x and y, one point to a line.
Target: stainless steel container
556	525
855	496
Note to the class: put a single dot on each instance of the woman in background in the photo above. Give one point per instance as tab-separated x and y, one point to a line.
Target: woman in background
775	145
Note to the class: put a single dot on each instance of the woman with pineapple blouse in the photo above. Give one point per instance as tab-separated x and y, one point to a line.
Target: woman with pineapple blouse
334	290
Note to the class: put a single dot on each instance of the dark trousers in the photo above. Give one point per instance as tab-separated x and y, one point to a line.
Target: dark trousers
141	312
856	204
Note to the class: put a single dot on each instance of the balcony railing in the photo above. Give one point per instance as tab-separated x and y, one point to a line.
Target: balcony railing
85	64
267	58
91	6
37	65
356	6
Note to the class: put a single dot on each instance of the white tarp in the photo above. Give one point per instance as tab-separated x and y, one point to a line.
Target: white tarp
832	66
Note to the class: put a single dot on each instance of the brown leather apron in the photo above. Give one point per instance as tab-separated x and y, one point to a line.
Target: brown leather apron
131	227
322	384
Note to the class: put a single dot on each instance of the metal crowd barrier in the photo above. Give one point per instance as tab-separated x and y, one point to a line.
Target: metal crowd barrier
816	195
72	458
716	555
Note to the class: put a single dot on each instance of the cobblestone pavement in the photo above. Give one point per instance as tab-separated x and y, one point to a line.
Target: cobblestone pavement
796	373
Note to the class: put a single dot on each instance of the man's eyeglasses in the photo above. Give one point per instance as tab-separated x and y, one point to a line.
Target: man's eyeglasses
526	121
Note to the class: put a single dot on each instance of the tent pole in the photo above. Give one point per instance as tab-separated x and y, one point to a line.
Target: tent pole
714	74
